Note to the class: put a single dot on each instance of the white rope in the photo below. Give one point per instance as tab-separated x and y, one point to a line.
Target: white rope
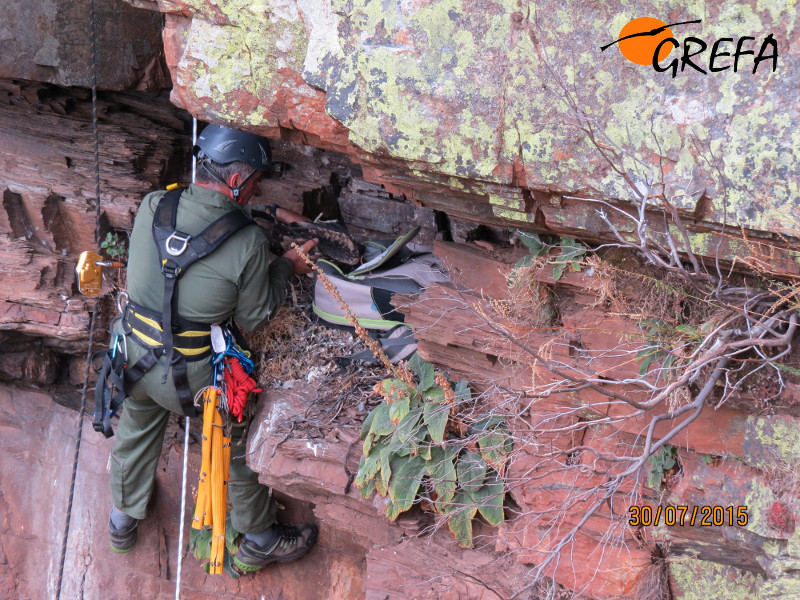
183	508
185	432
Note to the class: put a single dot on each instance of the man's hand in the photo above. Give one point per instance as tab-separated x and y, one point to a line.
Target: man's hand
289	216
300	266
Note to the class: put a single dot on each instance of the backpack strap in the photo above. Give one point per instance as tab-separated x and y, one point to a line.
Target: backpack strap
177	251
110	388
398	344
379	259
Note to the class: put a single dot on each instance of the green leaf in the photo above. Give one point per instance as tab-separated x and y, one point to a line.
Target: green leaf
462	391
365	428
380	488
424	371
492	446
399	409
393	509
408	434
571	249
435	395
366	448
227	565
200	546
435	417
489	499
558	270
534	243
424	451
572	252
231	535
381	423
415	363
367	489
394	389
525	261
690	331
471	470
200	543
442	473
460	521
404	485
650	354
487	423
367	468
386	466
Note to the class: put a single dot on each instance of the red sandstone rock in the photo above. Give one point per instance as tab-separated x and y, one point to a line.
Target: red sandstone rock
315	469
51	44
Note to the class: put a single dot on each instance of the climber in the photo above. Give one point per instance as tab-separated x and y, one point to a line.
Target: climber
167	333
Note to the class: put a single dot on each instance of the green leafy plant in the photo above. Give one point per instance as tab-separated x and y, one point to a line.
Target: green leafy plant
662	461
200	547
787	368
114	246
663	338
571	253
414	450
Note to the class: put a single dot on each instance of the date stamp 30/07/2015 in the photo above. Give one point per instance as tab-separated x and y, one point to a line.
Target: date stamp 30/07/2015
705	516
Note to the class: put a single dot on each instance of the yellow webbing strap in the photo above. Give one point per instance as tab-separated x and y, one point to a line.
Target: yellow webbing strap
185	351
212	488
177	336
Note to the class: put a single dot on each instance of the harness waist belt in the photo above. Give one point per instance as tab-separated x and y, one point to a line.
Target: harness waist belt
192	339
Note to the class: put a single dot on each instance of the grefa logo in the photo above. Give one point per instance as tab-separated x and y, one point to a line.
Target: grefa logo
649	41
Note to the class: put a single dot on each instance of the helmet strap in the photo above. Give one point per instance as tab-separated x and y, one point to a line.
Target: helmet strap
235	191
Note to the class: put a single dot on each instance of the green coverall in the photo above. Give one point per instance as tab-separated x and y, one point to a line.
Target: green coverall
242	279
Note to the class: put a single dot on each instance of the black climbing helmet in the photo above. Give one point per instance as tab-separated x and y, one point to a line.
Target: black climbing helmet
224	145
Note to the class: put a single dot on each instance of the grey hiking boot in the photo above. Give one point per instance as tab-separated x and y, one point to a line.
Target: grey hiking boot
281	543
122	531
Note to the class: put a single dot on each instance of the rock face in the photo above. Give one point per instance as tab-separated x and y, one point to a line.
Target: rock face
51	42
473	113
318	470
39	436
731	456
477	108
48	207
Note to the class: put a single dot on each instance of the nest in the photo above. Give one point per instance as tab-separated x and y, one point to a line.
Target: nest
294	349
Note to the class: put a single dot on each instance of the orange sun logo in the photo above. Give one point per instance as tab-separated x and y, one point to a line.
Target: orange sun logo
639	39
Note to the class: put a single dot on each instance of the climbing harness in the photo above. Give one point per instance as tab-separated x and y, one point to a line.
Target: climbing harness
177	251
170	340
110	389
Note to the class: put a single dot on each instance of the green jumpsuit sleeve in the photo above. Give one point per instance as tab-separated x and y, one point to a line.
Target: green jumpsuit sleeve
262	287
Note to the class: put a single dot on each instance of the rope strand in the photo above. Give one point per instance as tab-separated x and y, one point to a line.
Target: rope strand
179	560
79	432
